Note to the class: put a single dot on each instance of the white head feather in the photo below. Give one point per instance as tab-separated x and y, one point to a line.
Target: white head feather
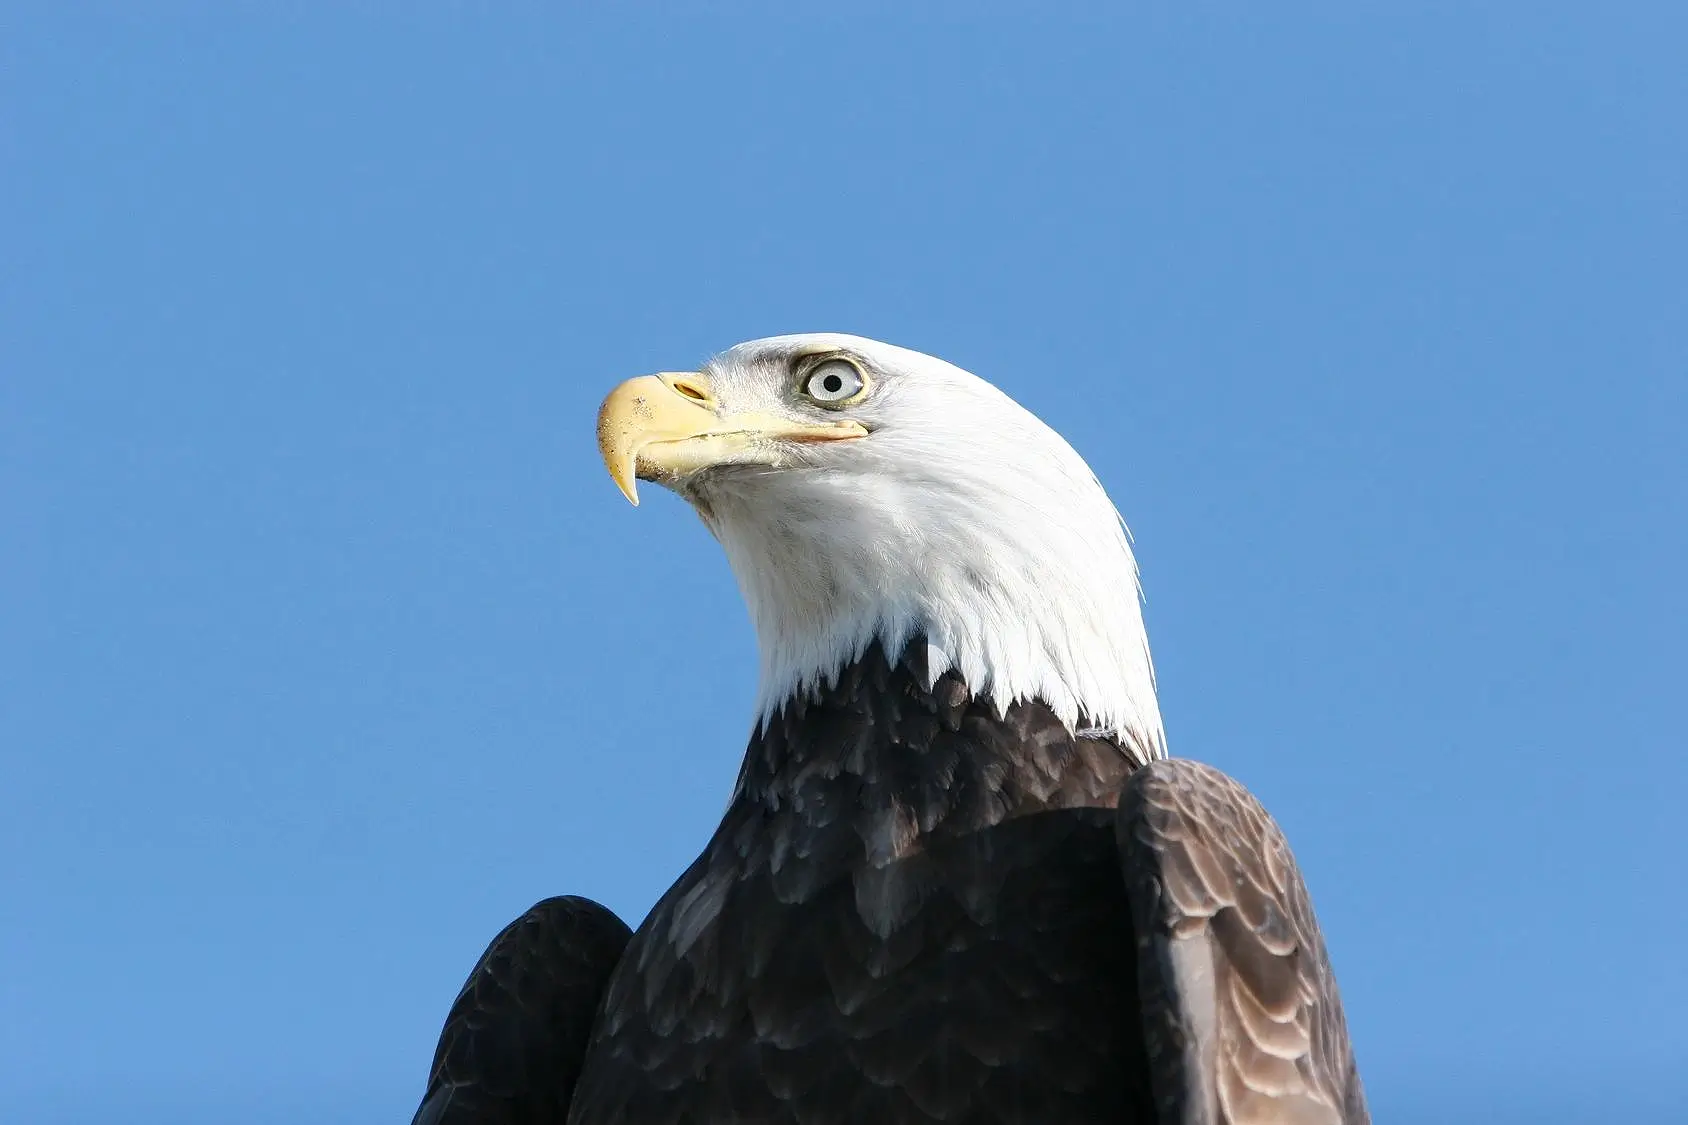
961	518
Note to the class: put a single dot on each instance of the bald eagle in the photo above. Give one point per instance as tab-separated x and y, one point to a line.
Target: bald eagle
959	879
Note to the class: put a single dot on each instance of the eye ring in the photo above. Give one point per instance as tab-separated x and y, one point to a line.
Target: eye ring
833	381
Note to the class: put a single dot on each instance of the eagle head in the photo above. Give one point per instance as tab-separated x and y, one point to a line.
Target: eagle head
864	492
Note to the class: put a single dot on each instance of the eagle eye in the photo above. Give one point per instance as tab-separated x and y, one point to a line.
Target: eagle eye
833	382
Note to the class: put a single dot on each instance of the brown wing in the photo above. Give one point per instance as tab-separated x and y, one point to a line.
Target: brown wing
1243	1023
513	1043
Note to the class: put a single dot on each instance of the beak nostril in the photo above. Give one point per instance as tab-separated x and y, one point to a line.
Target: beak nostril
690	390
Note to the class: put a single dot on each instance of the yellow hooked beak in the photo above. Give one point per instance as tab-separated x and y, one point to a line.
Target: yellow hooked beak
665	427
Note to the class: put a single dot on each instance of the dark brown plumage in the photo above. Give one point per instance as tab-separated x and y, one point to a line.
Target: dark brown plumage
915	910
515	1036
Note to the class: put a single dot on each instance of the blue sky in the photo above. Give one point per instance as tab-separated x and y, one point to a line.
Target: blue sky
328	646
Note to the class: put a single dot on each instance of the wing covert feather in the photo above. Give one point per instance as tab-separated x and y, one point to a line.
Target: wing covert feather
1243	1023
512	1045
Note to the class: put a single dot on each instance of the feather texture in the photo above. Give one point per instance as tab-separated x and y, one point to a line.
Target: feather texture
913	912
1243	1024
917	910
515	1037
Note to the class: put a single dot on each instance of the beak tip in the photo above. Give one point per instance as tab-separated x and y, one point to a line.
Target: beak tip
626	479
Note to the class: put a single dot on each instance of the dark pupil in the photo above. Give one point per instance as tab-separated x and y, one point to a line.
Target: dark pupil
833	384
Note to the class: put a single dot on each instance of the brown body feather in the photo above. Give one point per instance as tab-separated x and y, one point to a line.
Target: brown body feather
917	910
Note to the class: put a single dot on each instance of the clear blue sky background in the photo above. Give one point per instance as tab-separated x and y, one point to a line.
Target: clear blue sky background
328	646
